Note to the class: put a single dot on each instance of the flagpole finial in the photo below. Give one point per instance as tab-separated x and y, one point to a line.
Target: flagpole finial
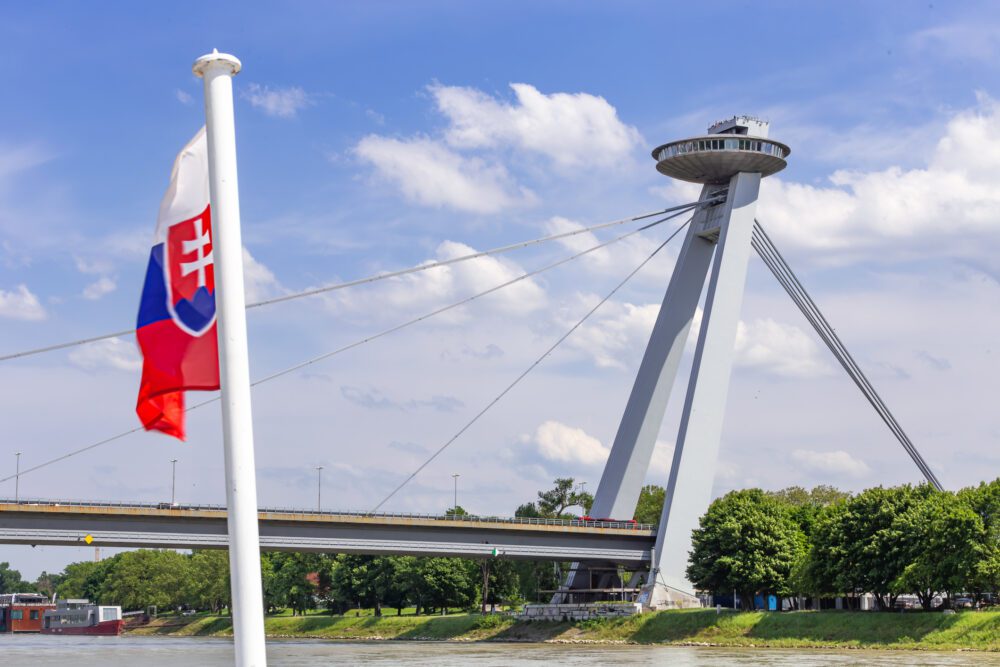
216	59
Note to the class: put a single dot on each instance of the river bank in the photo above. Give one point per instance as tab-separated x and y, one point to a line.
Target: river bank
934	631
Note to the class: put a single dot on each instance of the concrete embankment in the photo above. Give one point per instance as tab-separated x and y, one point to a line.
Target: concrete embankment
970	630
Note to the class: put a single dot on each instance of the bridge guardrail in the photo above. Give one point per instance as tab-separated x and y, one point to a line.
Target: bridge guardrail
534	521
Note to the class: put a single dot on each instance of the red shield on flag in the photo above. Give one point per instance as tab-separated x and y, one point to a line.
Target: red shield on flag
189	273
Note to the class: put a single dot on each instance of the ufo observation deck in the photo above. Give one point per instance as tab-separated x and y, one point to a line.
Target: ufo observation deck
715	158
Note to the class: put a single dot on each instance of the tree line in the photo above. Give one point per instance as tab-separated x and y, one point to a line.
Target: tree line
887	542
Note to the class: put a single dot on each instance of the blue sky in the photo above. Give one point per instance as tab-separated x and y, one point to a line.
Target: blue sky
378	135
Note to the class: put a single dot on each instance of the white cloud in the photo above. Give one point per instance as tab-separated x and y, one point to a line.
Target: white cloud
93	266
569	128
259	281
184	97
781	349
429	173
615	336
102	286
952	205
432	288
612	259
21	304
277	102
22	158
663	457
558	442
110	353
838	463
979	41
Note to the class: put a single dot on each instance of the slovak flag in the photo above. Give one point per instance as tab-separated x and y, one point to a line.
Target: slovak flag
176	324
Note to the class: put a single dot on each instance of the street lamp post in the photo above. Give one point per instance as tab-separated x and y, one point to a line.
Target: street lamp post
319	487
17	478
173	481
454	507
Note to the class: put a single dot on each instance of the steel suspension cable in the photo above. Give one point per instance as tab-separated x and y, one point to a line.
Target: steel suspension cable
789	281
774	260
526	371
840	352
357	343
682	208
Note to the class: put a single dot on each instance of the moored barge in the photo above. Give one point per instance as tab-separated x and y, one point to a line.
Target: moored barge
81	617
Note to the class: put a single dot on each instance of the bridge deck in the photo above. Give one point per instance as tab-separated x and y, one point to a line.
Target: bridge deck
189	527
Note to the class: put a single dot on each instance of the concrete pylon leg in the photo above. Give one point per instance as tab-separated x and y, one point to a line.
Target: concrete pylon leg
628	462
689	489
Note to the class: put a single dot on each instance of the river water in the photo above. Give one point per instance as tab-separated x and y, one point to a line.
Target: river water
202	652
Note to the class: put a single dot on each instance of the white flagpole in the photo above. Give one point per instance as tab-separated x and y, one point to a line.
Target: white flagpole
218	70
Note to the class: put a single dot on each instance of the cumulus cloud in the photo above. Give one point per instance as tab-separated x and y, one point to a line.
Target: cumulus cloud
110	353
558	442
951	203
569	128
418	292
100	287
20	158
429	173
376	400
462	166
781	349
259	281
276	102
614	258
837	463
184	97
617	335
20	304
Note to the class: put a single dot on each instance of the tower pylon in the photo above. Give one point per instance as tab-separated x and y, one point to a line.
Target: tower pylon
729	161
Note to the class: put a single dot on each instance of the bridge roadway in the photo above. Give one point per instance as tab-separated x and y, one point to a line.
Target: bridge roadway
63	523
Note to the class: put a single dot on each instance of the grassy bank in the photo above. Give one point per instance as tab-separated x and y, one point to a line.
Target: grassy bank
925	631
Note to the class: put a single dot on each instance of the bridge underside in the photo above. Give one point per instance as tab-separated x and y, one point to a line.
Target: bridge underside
150	527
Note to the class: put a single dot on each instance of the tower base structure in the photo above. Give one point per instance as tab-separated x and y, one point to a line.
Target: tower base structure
659	596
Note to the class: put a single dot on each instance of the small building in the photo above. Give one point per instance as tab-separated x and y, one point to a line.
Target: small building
22	612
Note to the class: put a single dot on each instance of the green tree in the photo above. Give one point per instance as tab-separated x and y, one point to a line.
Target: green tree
295	580
650	505
348	582
984	500
47	583
11	581
503	582
208	583
806	505
439	583
856	546
943	540
745	541
554	502
83	580
528	511
138	579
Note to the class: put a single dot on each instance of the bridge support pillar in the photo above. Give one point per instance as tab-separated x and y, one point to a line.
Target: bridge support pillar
722	231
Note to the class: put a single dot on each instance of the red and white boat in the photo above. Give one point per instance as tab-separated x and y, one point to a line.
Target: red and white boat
81	617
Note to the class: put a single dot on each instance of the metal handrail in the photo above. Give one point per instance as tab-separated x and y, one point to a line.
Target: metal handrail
532	521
